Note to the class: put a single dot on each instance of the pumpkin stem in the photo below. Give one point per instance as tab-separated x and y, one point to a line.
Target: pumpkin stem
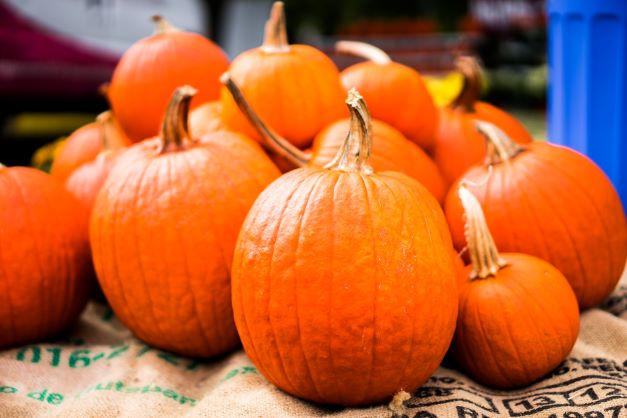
275	34
354	154
105	121
499	146
471	71
274	141
363	50
163	26
484	256
2	166
174	131
397	405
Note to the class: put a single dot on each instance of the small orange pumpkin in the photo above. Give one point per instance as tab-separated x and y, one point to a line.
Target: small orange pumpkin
518	317
344	291
44	254
383	83
206	119
391	151
83	146
458	145
553	203
150	70
168	216
296	89
85	182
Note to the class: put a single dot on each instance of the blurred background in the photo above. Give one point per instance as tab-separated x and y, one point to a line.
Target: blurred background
55	54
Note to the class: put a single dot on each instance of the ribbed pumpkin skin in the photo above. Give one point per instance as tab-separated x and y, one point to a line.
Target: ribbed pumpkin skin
44	254
297	93
391	151
343	285
163	231
516	327
396	94
152	68
553	203
85	182
458	146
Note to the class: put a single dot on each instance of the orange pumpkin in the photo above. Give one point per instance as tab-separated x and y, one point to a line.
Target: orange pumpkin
85	182
296	89
553	203
44	254
391	151
150	70
168	216
343	286
458	145
518	317
206	119
383	82
82	146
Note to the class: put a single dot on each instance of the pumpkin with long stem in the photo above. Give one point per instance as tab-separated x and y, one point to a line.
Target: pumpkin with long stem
391	151
163	230
551	202
83	146
344	290
150	70
458	145
296	89
85	182
518	317
385	84
44	254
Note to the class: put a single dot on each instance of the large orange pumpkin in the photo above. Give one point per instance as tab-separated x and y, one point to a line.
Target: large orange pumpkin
44	254
518	317
391	151
163	230
150	70
458	145
553	203
83	145
296	89
344	290
384	84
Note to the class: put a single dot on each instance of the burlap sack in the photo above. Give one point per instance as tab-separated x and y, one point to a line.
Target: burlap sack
101	371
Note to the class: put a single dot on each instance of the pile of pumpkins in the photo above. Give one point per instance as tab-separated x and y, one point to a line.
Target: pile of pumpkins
340	277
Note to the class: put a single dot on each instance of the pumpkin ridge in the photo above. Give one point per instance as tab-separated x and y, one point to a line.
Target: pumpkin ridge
114	253
270	269
313	188
560	220
375	298
198	318
539	340
27	216
154	184
397	202
599	214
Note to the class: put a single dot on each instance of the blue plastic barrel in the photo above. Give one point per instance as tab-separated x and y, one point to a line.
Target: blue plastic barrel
587	107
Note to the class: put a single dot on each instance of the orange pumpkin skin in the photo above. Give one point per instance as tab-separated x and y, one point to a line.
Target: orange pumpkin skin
85	182
45	257
566	212
295	89
153	67
206	119
169	218
331	275
516	327
391	151
382	85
